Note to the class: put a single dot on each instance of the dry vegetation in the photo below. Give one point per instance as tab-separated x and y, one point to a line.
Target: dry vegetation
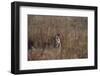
42	29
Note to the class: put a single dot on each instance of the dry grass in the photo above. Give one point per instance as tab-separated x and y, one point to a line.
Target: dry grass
54	54
42	29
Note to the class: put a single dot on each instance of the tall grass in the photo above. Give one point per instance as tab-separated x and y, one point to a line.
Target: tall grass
42	29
